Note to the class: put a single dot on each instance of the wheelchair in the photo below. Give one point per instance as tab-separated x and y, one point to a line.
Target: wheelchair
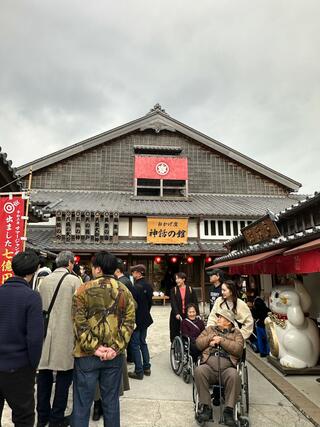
180	358
241	410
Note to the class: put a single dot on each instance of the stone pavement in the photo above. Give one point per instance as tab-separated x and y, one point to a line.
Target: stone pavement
164	400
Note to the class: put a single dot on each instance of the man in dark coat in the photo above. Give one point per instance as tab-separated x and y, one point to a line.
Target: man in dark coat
138	344
21	338
216	277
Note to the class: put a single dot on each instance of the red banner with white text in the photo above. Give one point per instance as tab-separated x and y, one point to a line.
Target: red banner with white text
11	232
161	167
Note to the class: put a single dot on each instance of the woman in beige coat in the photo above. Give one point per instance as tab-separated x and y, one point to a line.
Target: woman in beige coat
58	345
230	301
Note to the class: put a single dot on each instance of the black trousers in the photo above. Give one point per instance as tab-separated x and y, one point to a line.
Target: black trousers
46	413
17	388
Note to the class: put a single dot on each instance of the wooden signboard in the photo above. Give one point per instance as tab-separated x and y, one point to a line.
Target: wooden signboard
167	231
260	232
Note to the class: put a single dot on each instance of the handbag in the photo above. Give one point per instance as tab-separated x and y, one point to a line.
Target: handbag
46	313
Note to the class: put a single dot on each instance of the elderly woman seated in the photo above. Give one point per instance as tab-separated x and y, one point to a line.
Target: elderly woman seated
224	340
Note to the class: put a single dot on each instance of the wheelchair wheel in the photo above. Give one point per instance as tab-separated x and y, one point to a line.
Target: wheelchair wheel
245	390
186	375
244	422
176	355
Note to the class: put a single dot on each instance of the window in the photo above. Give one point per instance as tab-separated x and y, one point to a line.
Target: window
221	229
161	188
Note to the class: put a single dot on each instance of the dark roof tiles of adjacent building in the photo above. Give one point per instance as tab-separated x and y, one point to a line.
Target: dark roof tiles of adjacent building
300	204
275	243
43	238
9	180
197	205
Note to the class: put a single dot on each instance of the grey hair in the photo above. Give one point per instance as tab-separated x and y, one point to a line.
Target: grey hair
63	258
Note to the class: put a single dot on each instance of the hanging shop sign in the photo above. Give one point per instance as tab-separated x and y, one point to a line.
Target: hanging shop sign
261	231
11	232
167	230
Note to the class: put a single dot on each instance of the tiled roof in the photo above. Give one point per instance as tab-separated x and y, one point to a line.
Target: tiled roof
8	175
157	120
43	238
275	243
300	204
209	205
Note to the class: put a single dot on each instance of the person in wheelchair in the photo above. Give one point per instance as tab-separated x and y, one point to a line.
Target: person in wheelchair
221	348
191	327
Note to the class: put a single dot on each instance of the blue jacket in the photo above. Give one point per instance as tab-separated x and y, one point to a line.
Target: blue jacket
21	325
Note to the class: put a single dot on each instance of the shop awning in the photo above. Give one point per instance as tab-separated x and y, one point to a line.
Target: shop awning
251	259
314	244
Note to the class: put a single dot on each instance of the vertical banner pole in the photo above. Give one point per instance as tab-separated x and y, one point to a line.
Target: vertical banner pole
27	209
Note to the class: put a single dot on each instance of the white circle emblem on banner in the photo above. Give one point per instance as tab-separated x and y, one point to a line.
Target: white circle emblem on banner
162	168
9	208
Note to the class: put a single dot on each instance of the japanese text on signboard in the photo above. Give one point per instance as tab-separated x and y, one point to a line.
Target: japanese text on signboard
167	230
11	231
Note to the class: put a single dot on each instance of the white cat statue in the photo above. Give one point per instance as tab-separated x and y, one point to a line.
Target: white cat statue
293	337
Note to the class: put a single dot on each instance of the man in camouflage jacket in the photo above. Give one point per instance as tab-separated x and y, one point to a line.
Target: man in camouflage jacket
103	315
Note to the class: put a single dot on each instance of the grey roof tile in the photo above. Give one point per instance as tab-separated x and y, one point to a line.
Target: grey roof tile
209	205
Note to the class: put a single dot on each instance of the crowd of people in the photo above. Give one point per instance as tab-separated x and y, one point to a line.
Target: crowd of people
62	326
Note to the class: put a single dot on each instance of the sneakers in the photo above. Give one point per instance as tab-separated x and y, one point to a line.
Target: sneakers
135	376
97	410
147	372
205	414
228	417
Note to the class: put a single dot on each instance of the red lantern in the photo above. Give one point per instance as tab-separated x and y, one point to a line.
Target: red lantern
208	259
157	259
77	259
173	259
190	259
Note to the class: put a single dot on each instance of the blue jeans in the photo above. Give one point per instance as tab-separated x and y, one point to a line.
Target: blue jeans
263	344
88	371
139	349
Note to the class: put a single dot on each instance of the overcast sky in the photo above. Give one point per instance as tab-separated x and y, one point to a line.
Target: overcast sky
246	73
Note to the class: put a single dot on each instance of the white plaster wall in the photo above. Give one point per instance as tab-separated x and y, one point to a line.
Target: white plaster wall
139	227
192	228
312	285
124	227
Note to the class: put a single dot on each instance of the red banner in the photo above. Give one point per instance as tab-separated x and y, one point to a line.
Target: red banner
161	167
11	231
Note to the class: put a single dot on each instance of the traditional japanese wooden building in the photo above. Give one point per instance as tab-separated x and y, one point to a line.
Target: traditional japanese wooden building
152	191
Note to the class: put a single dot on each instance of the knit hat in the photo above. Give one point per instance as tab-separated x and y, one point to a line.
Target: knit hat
227	314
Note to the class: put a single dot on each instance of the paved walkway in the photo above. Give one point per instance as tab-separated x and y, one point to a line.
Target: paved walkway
164	400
